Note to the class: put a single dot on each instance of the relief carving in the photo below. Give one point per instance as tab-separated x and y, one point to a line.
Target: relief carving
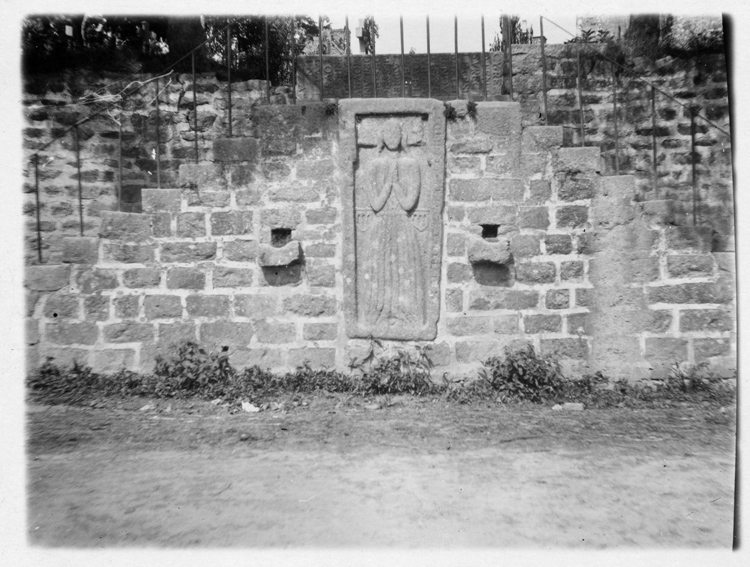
392	247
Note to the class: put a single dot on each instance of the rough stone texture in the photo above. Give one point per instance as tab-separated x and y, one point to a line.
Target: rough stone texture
207	305
393	203
161	200
80	250
125	227
185	252
235	149
485	251
271	256
319	331
596	268
47	278
226	333
141	277
185	278
162	307
310	305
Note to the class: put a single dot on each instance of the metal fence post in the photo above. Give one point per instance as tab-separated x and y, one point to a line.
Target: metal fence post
653	141
580	95
229	76
38	221
158	148
692	161
320	52
484	67
429	70
348	57
544	69
268	66
294	62
80	189
617	138
119	159
455	42
195	111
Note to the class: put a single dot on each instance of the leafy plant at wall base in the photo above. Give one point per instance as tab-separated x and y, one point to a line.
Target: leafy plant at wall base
523	375
192	367
450	112
471	109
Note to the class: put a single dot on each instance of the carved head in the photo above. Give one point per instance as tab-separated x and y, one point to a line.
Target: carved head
392	134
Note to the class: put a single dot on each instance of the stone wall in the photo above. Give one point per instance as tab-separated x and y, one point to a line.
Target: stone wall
54	103
247	253
700	83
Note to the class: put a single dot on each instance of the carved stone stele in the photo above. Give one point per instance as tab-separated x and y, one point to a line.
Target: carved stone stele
392	162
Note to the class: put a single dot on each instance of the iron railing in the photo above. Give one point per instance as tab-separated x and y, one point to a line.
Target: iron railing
507	69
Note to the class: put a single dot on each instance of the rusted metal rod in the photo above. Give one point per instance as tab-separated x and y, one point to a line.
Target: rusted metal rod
229	76
294	62
158	148
403	77
653	142
348	57
38	221
544	68
484	68
374	72
195	111
614	119
78	169
429	70
268	66
320	52
580	94
119	160
455	43
692	162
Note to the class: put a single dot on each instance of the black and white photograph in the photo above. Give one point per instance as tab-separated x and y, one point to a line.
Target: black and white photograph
393	284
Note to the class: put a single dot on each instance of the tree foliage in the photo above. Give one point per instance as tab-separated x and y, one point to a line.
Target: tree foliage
149	44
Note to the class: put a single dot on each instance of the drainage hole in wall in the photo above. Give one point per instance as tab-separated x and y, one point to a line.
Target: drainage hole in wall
280	236
489	231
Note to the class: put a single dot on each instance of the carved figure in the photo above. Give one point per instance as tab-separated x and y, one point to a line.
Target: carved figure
392	279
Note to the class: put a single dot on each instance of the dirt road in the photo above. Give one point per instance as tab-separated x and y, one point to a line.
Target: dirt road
414	474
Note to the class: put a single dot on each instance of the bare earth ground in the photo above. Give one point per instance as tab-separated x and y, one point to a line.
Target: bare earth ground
417	473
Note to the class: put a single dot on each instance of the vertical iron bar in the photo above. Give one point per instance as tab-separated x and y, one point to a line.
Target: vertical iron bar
229	76
38	221
580	96
544	69
320	52
80	189
294	62
403	78
484	68
455	43
195	111
429	74
268	66
692	161
653	141
617	138
374	72
510	56
158	149
348	58
119	161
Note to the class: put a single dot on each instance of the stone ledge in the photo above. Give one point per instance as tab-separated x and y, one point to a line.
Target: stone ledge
269	256
493	252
